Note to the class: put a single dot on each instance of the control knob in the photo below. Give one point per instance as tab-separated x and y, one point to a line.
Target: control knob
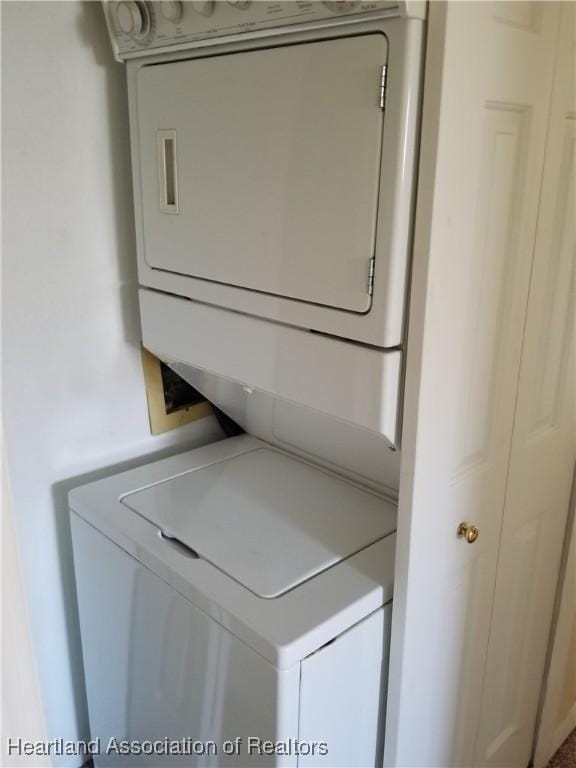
205	7
172	10
131	18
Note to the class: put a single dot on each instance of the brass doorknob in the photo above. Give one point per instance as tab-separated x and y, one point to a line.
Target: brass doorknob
468	532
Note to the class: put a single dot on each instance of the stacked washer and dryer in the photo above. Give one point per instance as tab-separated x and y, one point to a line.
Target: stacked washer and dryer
235	600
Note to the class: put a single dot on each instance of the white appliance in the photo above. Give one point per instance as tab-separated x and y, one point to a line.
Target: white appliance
274	153
243	589
234	592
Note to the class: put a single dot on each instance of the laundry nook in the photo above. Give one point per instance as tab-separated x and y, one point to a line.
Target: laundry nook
289	383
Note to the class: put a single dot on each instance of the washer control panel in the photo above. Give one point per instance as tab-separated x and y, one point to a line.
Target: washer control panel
140	27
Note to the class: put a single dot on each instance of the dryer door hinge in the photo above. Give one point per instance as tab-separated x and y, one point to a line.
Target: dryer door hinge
383	85
371	276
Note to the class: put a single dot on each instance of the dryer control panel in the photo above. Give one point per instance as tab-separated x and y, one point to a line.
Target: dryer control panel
140	27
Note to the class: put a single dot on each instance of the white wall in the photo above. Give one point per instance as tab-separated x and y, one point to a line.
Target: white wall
74	401
21	710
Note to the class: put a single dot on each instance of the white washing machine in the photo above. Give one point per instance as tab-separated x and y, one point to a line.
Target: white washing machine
235	600
235	610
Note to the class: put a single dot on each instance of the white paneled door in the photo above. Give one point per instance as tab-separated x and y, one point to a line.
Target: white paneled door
543	451
489	77
559	710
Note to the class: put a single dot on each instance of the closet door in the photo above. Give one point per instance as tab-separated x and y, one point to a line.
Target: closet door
559	711
489	75
543	451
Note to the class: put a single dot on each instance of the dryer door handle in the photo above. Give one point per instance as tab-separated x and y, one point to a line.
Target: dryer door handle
167	171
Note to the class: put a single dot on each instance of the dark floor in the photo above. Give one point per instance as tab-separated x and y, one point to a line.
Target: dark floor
566	755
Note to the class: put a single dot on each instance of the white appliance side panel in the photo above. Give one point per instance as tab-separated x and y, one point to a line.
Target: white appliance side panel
156	667
343	694
349	381
274	164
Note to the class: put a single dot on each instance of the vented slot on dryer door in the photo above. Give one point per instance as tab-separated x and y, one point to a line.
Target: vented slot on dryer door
167	173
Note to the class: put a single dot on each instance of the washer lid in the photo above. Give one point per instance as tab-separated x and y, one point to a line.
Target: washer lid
267	520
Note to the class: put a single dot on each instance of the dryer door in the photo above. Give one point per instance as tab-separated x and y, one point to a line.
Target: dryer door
260	169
